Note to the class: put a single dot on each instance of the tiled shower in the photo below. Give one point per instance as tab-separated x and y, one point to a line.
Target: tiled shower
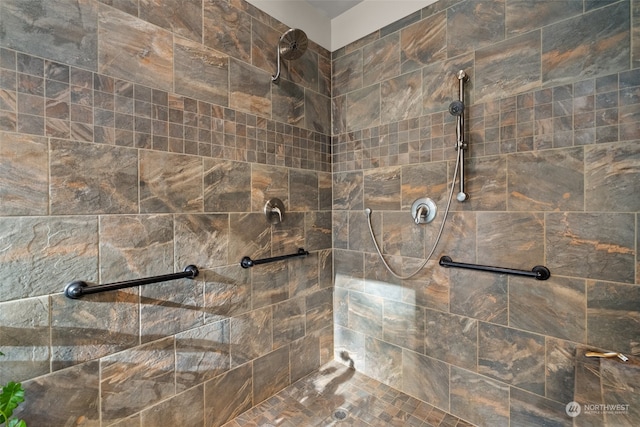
140	136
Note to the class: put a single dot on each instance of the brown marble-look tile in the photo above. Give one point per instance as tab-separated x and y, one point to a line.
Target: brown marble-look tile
251	336
137	378
347	74
269	181
339	115
547	180
288	321
170	182
317	112
349	347
524	351
183	18
227	292
520	18
479	399
200	72
324	75
227	29
612	177
424	42
23	174
425	378
635	35
202	354
170	307
618	387
325	191
349	270
612	312
229	395
560	370
24	326
132	49
340	229
479	295
348	191
41	248
452	339
75	392
429	288
270	374
486	183
304	70
381	60
251	236
512	240
80	184
424	179
44	31
382	188
554	307
227	186
183	409
303	187
270	284
249	89
591	245
93	327
264	40
288	103
319	306
304	357
530	409
303	275
401	236
201	240
586	45
473	24
508	68
400	97
288	236
317	231
366	314
404	325
134	246
383	362
363	108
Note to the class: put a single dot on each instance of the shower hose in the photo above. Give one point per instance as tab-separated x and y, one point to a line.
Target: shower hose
444	220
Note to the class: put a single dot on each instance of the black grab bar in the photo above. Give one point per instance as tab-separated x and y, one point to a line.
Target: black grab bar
79	288
539	272
247	262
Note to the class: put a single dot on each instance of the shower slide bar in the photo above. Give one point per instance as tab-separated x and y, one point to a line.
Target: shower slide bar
247	262
538	272
79	288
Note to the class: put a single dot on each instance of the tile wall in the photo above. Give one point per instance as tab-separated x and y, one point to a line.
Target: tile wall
553	173
137	137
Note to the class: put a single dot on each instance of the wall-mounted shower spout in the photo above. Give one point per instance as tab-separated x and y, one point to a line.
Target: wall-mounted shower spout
456	108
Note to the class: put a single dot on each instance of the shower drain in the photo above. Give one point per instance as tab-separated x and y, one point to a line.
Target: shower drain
340	414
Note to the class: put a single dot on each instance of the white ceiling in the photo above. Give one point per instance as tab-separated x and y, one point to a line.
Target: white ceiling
333	8
335	23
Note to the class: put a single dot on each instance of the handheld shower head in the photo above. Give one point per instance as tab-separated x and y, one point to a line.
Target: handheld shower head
292	45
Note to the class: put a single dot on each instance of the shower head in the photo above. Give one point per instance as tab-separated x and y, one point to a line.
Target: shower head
292	45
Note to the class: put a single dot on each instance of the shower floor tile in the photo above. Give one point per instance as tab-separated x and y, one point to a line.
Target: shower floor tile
338	396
